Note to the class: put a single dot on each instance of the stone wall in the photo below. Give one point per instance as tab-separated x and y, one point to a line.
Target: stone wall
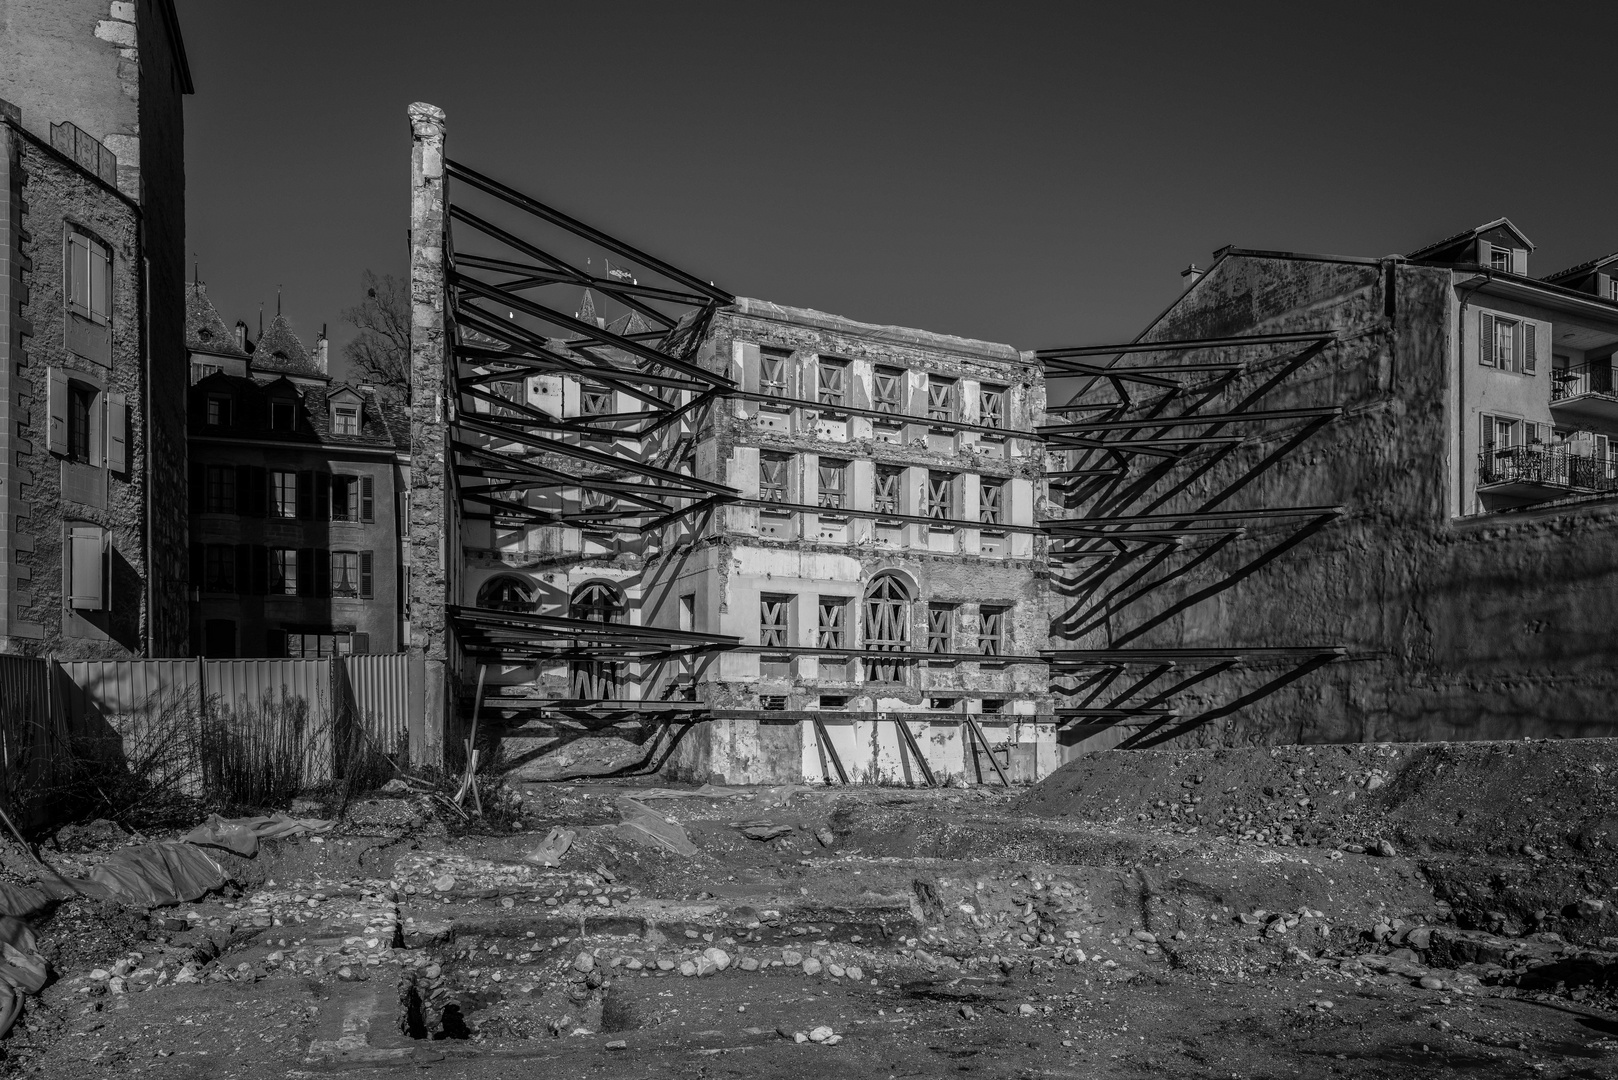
1495	627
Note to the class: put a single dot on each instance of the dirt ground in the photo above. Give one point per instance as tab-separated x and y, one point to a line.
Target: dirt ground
1369	911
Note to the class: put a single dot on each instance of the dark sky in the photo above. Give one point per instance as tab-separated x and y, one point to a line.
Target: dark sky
1030	173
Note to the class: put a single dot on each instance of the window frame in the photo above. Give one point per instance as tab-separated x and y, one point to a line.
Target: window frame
940	627
831	382
775	372
889	493
833	497
283	414
943	399
992	630
345	421
595	399
81	422
93	267
283	572
887	390
940	495
831	631
218	410
773	488
279	508
992	405
218	489
774	620
991	509
219	569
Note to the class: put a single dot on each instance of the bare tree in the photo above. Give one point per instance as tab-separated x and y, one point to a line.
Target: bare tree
380	353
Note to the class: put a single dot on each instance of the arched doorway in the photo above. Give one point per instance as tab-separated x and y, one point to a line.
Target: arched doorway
594	680
887	626
507	592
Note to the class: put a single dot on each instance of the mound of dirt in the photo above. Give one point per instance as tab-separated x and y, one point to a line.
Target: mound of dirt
1476	799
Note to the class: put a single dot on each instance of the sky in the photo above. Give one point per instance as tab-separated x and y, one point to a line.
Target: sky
1030	173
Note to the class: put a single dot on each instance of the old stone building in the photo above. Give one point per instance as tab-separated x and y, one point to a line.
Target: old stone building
92	361
883	558
1384	499
296	492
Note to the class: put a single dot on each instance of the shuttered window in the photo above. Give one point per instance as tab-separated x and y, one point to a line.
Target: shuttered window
831	632
991	502
939	617
833	484
773	373
991	630
772	476
940	398
887	627
345	573
887	388
992	406
219	492
1508	344
284	494
833	382
940	495
887	489
89	277
283	572
87	564
594	399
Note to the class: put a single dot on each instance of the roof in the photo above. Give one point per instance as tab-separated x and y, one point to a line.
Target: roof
1582	268
205	331
279	350
382	425
1467	234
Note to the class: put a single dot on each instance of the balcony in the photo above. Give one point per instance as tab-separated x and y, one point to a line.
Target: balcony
1584	395
1518	475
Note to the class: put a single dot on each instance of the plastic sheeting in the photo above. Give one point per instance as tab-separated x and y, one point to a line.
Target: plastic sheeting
242	835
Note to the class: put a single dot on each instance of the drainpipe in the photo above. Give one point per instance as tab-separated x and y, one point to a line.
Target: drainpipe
1460	386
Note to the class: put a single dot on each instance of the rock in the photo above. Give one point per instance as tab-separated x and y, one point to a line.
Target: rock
687	968
1591	908
117	985
811	966
1144	935
747	963
584	962
1026	1009
1373	783
595	756
1420	938
444	883
718	957
1431	982
825	837
833	1040
665	965
799	1037
1381	932
792	958
705	966
968	1013
821	1034
100	974
836	971
1385	848
618	1044
855	973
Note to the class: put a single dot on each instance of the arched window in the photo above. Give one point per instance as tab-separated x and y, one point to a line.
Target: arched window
887	626
595	601
507	593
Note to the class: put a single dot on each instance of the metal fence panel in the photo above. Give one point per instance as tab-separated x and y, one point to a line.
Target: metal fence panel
380	685
33	739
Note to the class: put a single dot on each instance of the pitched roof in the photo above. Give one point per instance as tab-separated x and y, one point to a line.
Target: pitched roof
1582	268
279	349
1467	234
205	331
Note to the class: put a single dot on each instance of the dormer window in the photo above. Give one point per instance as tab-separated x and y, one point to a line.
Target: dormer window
218	410
1500	259
283	416
204	334
345	420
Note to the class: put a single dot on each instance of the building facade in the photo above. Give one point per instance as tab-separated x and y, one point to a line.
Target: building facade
92	362
296	492
1456	545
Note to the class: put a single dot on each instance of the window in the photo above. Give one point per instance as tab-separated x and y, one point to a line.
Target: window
218	410
351	574
830	634
992	406
991	628
345	420
887	489
313	645
507	593
1500	259
991	502
939	618
506	391
940	398
833	484
89	278
887	625
1612	289
219	489
994	705
219	568
940	495
1507	344
283	415
219	639
283	572
81	401
283	494
774	370
688	611
772	476
833	382
832	701
594	400
772	619
887	390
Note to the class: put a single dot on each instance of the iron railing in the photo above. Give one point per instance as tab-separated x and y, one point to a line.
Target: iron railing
1594	377
1547	467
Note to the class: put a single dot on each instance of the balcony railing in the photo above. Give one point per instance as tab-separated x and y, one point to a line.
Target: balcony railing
1546	468
1592	378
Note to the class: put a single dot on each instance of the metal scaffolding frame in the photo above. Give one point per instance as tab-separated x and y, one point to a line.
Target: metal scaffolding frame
1113	535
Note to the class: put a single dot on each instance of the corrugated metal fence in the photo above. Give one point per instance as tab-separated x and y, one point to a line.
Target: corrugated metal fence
53	714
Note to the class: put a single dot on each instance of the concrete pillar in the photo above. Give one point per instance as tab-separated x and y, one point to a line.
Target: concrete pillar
433	517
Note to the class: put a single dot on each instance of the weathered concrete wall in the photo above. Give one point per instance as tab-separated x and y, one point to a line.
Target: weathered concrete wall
1494	627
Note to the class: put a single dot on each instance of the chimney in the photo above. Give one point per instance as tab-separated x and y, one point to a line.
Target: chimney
1192	275
241	335
320	348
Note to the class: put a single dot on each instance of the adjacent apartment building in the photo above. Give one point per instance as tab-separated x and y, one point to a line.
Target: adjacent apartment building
92	360
1467	557
883	559
296	492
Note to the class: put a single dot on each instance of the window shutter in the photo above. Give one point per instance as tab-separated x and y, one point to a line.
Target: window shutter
57	404
1528	354
87	557
306	496
306	571
351	497
367	498
117	433
261	570
322	560
1486	339
367	564
244	569
322	496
